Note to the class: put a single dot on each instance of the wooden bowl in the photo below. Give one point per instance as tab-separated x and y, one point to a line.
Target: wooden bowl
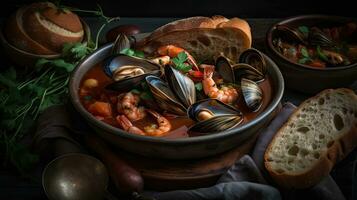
307	79
26	59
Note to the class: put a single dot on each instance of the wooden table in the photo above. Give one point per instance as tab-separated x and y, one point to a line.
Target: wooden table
13	187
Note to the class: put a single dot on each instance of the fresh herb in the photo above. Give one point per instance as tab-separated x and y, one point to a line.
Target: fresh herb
133	52
304	52
304	60
305	56
199	86
24	97
321	55
180	62
303	29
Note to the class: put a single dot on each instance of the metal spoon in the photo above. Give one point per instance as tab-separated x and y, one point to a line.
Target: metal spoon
76	176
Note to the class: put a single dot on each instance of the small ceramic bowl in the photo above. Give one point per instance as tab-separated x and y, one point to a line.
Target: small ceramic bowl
304	78
25	59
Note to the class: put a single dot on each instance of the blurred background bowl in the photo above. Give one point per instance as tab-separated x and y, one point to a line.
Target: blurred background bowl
304	78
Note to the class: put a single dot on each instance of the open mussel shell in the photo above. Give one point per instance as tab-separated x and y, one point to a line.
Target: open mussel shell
254	58
233	73
317	37
225	69
164	96
128	71
213	115
252	94
291	34
210	107
243	70
182	86
121	42
216	124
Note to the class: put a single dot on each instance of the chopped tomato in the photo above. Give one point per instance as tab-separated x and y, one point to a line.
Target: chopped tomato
196	75
100	108
317	64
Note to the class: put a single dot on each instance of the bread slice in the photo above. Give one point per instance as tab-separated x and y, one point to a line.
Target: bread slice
322	131
203	37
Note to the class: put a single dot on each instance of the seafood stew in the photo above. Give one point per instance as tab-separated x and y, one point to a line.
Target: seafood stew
321	46
169	95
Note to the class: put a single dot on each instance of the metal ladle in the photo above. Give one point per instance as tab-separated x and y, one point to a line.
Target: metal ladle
76	176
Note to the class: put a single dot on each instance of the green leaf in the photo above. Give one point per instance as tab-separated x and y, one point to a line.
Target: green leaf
127	51
183	67
182	56
303	29
304	52
135	91
304	60
199	86
60	63
41	63
321	55
139	54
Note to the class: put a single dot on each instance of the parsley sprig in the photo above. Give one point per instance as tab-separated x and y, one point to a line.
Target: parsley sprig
23	96
180	62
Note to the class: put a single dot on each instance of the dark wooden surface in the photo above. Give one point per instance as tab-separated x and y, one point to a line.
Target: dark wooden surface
13	187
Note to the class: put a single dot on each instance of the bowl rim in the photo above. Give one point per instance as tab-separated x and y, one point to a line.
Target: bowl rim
75	100
269	40
86	39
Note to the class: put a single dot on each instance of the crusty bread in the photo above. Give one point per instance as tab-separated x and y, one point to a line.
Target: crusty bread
41	28
17	36
203	37
322	131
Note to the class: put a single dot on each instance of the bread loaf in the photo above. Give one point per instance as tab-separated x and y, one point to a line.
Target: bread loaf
322	131
41	28
203	37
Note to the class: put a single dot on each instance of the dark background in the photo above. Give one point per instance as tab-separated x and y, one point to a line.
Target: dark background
185	8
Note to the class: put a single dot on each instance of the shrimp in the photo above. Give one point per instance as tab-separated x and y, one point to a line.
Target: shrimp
128	105
126	124
173	51
163	125
226	94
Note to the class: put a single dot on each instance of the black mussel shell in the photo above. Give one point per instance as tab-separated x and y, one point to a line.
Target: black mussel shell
181	85
252	94
254	58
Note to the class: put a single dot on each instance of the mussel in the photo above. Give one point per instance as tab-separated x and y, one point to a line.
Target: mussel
319	38
251	65
212	115
128	71
254	58
252	94
176	95
164	96
292	34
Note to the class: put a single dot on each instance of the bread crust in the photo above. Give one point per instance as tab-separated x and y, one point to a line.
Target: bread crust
201	36
16	36
336	151
51	38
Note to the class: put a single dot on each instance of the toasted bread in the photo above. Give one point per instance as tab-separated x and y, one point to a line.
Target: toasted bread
322	131
203	37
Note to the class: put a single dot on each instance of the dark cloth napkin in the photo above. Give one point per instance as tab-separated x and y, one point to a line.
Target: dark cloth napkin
59	129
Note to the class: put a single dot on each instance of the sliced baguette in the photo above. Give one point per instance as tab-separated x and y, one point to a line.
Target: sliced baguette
203	37
321	132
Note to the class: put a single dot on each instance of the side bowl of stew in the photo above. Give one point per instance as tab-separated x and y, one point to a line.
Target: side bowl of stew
174	147
315	52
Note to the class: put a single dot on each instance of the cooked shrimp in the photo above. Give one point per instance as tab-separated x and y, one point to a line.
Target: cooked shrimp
163	125
126	124
173	51
128	105
226	94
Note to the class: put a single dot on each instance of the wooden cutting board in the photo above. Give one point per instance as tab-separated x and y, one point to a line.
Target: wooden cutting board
161	175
